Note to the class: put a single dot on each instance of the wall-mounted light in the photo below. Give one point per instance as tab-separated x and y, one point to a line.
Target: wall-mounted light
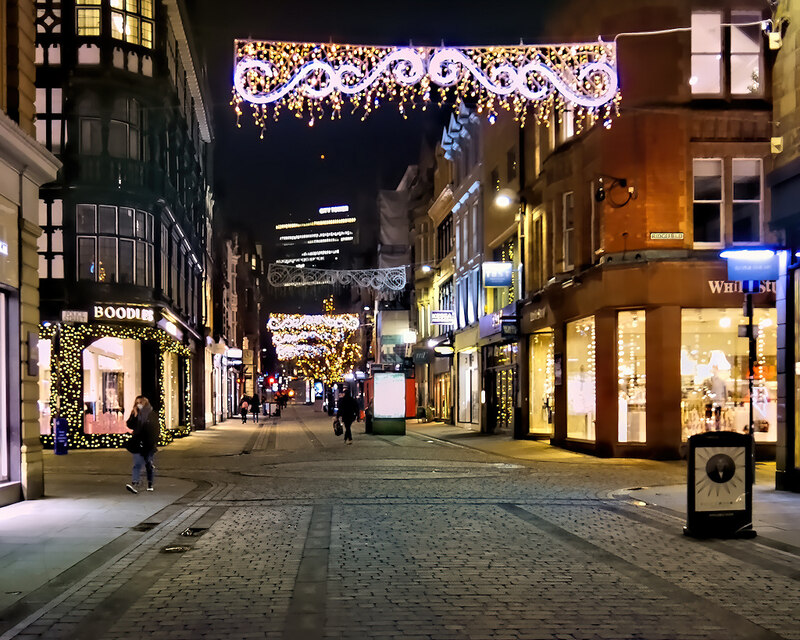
426	268
505	198
607	186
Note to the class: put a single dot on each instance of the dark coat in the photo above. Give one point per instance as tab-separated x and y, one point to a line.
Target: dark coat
145	429
348	408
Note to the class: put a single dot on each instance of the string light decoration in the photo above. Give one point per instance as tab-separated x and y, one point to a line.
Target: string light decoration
282	275
315	80
322	347
66	366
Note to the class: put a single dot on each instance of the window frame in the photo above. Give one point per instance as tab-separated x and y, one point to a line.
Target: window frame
568	232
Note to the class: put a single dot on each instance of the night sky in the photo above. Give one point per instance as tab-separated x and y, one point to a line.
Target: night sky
259	181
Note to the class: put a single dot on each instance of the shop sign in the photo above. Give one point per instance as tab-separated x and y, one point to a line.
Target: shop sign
3	248
503	322
443	317
497	274
744	268
735	286
68	315
666	235
421	356
115	312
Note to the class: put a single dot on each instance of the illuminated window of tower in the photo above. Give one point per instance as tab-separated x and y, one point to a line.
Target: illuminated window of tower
132	21
88	17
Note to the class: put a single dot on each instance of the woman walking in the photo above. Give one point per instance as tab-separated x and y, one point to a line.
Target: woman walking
143	421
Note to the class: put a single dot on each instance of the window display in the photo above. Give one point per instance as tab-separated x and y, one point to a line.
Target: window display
441	396
542	402
45	417
111	381
580	369
172	387
501	385
5	368
714	373
469	387
631	376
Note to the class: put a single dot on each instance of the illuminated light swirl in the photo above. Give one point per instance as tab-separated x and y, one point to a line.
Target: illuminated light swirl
392	278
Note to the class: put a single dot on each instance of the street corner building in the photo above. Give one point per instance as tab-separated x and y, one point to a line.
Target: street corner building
124	253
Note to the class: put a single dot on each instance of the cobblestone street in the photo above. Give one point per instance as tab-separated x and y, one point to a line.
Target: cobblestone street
287	533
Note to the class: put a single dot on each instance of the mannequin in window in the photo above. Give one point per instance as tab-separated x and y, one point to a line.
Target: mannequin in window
717	394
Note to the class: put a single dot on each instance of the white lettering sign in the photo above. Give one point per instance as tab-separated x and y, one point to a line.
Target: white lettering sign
443	316
666	235
343	208
113	312
735	286
74	316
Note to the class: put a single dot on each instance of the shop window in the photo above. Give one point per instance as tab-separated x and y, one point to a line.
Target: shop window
87	256
580	372
542	383
441	396
469	388
707	207
171	382
45	424
5	367
631	377
91	136
714	373
111	382
726	65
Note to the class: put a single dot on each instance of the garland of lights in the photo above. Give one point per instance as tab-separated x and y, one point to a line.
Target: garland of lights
281	275
304	77
322	347
67	366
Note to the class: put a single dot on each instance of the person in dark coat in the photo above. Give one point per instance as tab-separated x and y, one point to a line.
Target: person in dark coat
244	405
143	421
254	407
348	412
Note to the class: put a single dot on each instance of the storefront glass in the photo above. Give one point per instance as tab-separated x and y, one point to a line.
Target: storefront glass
469	388
631	376
714	373
111	382
442	396
45	417
501	385
580	370
542	404
5	368
171	388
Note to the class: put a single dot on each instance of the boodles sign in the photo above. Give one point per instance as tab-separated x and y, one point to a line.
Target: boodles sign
121	312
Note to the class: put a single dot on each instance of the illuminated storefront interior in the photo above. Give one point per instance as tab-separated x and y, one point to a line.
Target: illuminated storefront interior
5	367
442	396
580	374
501	385
631	376
714	373
542	383
111	382
469	387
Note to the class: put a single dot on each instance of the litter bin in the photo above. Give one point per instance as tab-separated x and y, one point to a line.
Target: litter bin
60	443
720	486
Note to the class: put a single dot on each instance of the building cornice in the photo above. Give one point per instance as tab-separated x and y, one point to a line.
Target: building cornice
442	205
187	54
25	155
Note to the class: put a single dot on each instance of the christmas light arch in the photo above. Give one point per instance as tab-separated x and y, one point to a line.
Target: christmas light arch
307	78
68	365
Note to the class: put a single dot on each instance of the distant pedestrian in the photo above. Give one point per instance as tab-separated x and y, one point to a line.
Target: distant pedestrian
254	407
143	421
348	412
244	406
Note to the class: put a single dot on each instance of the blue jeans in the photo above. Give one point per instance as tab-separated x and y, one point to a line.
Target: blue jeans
147	461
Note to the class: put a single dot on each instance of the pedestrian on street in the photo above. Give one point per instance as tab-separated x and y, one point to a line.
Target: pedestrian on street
143	421
244	405
254	407
348	412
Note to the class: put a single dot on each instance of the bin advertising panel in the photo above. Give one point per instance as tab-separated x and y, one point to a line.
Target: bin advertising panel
389	395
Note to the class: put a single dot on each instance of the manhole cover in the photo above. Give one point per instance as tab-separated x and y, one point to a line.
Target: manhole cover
175	548
145	526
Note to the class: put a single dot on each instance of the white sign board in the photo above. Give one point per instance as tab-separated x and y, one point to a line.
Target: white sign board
719	479
443	316
390	395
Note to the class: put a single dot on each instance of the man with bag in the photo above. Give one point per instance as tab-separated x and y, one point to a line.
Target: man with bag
348	412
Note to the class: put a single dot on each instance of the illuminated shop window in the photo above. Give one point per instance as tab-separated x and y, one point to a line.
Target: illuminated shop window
542	381
132	21
45	425
469	387
631	379
87	18
6	366
714	373
580	372
111	380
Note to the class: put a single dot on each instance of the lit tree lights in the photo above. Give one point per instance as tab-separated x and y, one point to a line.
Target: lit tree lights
66	365
314	80
322	347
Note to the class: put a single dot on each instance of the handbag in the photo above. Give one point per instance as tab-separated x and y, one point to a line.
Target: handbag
133	444
337	427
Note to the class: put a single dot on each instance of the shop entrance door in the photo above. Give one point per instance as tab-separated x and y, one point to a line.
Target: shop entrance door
500	384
